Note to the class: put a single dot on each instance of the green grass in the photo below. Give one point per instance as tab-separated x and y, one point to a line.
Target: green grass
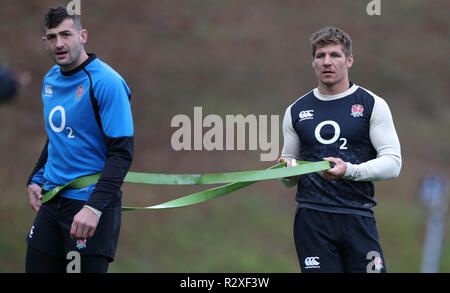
226	235
246	231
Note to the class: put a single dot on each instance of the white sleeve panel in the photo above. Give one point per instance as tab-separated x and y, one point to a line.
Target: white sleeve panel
384	139
291	146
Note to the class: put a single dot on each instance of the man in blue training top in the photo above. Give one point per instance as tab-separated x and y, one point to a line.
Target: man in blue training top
341	122
89	125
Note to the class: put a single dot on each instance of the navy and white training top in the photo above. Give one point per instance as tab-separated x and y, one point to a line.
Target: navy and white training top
356	126
89	124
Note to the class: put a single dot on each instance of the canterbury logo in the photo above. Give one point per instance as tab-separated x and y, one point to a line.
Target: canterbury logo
48	91
307	114
312	262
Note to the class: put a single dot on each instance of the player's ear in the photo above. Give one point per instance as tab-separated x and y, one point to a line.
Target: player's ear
83	36
45	42
349	61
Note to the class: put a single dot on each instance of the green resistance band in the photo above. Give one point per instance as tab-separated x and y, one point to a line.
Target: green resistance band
235	180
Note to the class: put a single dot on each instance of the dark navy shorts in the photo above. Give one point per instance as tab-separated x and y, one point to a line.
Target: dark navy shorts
50	232
337	243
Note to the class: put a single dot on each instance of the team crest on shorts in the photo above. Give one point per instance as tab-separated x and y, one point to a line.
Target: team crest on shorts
357	110
81	244
80	92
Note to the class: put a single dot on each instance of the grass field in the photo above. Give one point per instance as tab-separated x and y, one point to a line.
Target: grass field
246	231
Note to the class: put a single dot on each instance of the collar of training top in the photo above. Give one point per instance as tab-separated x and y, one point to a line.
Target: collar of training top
91	56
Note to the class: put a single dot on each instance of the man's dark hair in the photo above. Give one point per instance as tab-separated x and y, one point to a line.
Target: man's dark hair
55	16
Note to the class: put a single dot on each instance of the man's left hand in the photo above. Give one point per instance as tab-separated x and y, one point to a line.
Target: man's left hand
338	170
84	224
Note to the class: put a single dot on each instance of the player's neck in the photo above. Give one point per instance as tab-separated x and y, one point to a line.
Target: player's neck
334	89
83	57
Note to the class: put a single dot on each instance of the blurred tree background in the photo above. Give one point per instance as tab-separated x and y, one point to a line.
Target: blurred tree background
233	57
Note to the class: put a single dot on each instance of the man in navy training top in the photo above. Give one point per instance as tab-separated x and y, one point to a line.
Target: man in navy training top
89	126
340	122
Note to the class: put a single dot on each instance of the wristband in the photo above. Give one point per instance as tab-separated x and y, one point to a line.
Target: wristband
95	211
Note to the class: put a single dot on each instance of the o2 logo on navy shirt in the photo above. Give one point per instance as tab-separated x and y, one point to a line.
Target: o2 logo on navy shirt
336	136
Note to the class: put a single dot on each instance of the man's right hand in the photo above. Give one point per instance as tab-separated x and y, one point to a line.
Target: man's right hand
289	163
34	192
289	181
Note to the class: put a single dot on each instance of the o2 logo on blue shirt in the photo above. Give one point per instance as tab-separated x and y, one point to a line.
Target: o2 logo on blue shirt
60	119
337	133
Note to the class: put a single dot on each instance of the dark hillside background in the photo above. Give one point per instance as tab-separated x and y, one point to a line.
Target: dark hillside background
233	57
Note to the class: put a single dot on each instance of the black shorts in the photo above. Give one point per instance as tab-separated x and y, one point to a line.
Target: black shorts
50	232
337	243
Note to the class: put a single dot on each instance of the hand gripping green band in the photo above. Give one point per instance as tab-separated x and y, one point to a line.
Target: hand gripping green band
235	180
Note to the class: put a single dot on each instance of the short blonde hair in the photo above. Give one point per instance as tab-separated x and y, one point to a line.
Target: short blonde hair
331	35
